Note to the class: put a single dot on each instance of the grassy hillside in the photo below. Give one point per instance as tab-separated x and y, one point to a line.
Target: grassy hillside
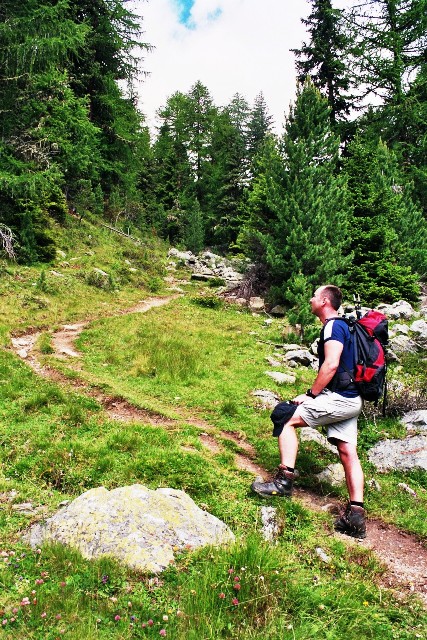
194	362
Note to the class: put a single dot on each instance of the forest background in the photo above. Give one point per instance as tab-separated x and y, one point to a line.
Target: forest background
340	196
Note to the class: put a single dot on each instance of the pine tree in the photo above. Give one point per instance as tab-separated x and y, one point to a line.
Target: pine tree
379	227
324	58
299	217
259	126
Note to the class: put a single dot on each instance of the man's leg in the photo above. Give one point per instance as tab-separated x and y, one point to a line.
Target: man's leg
353	520
281	483
288	441
352	469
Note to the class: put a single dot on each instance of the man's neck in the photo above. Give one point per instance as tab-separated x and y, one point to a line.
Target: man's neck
326	315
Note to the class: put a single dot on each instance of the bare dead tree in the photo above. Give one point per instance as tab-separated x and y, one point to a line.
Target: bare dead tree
7	239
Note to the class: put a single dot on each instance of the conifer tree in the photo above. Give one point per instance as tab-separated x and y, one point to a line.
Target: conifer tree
299	218
324	58
379	226
259	126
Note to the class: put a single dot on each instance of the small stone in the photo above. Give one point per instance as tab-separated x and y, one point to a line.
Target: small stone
281	378
407	488
322	555
374	484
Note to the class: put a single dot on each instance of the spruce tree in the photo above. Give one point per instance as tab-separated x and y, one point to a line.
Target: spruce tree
324	58
299	218
379	226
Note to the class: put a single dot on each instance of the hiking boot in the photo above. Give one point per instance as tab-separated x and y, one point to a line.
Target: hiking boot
352	522
280	484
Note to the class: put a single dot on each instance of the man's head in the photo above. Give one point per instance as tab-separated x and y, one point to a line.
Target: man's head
325	299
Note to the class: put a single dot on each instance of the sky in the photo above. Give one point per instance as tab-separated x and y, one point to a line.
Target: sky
231	46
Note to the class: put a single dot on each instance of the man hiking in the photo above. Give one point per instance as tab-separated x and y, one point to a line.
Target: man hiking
332	400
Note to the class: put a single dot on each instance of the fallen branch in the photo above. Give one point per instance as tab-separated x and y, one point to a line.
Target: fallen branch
7	239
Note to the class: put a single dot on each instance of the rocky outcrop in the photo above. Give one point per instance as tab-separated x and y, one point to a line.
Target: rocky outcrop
138	526
208	265
400	455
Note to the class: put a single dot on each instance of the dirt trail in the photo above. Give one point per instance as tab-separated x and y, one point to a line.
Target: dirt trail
403	554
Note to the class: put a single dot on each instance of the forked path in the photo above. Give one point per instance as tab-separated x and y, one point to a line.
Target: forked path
403	554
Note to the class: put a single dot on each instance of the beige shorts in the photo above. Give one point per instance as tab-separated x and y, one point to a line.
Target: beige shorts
336	412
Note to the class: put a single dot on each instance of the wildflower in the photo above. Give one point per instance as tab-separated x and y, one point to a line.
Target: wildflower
221	595
230	571
321	606
62	584
366	604
99	621
33	592
39	581
179	614
4	622
143	625
44	574
162	632
117	618
130	604
15	610
235	602
43	615
165	618
113	599
192	592
12	620
133	618
35	601
236	586
104	579
25	601
38	551
150	623
58	616
236	579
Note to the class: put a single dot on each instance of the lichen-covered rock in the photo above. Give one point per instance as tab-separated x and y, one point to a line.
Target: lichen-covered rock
333	475
400	455
281	378
139	527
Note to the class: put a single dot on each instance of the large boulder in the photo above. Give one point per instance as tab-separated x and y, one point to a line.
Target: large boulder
400	455
138	526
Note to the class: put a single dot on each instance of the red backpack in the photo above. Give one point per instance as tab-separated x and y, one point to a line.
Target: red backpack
370	337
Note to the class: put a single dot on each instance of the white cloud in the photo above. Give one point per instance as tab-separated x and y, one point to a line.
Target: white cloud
245	49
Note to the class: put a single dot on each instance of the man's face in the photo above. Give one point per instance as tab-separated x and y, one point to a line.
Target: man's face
317	300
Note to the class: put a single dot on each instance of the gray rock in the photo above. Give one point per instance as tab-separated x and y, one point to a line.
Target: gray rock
270	523
415	421
333	475
272	362
308	434
281	378
400	455
278	311
267	399
291	347
420	328
403	344
399	328
302	357
139	527
256	304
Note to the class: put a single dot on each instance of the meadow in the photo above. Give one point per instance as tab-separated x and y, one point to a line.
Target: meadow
194	362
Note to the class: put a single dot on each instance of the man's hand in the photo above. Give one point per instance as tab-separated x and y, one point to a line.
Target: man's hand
300	399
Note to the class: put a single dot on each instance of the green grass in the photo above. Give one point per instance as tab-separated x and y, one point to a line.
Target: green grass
190	359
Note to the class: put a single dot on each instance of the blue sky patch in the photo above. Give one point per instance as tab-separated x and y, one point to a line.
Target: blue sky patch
184	8
184	12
